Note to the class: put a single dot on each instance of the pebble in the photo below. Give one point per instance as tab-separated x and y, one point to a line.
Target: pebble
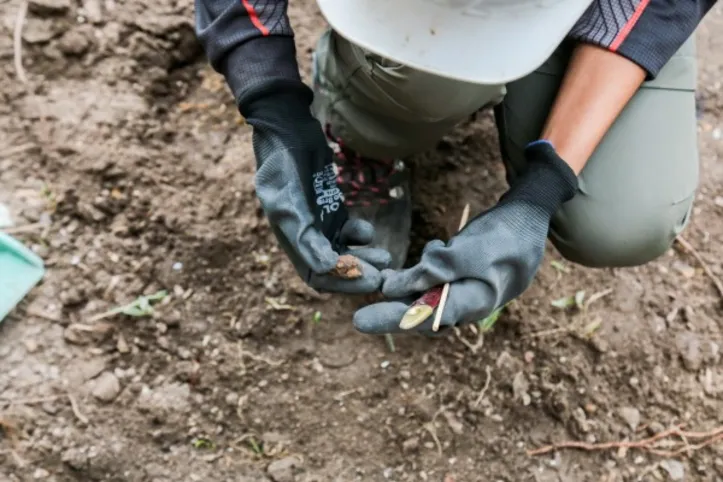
631	416
49	6
684	268
410	445
40	474
282	470
107	387
675	469
689	347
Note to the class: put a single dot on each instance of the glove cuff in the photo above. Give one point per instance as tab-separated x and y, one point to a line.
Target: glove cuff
548	180
279	98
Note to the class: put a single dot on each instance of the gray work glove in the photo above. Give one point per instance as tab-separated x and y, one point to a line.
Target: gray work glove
491	261
296	185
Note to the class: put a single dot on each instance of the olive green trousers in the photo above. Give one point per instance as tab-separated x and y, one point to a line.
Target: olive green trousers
636	191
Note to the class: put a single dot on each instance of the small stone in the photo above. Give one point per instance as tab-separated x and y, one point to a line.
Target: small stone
74	43
520	387
93	11
232	399
411	444
529	356
75	458
405	375
106	387
717	133
282	470
30	345
50	408
385	364
631	416
40	474
590	408
454	424
45	7
718	201
38	30
689	347
122	344
655	428
684	268
675	469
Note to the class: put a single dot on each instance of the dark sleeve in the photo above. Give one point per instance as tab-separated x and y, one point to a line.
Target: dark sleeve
249	42
648	32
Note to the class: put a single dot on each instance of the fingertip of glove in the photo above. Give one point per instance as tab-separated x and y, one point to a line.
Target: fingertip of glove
357	231
379	318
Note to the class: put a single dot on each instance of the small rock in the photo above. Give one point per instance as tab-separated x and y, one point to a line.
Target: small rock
675	469
520	387
684	268
655	428
410	445
283	470
75	458
107	387
689	347
49	7
232	399
454	424
30	345
631	416
93	11
49	408
74	43
718	201
165	401
122	344
40	474
38	31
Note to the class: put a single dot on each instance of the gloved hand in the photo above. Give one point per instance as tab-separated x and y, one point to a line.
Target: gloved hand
491	261
296	185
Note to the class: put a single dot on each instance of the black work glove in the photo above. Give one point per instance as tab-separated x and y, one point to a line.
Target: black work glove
296	185
491	261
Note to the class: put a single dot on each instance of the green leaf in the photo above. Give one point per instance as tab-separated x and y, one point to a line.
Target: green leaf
559	266
317	317
487	323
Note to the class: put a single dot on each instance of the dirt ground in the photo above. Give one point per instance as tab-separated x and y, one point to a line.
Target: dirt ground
124	165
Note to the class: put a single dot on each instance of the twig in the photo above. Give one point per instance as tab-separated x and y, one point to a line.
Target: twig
445	290
647	444
706	268
259	358
18	41
26	228
430	428
17	149
482	392
473	347
29	401
76	410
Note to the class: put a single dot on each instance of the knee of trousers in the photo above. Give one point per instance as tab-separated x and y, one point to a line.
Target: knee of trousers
598	235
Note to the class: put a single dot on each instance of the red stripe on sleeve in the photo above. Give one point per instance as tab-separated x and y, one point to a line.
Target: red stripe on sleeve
623	34
254	17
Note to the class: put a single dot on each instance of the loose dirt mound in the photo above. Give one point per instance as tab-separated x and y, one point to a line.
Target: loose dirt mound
125	157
